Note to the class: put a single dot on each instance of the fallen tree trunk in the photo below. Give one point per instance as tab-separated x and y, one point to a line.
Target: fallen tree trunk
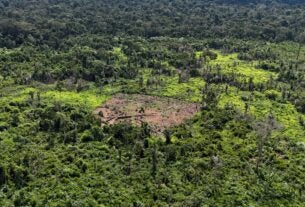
128	116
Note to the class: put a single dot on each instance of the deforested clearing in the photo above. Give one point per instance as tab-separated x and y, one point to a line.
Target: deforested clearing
159	112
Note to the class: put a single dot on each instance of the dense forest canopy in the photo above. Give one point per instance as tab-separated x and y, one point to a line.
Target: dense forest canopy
235	68
48	22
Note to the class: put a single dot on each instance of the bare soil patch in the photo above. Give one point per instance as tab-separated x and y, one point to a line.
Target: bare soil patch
159	113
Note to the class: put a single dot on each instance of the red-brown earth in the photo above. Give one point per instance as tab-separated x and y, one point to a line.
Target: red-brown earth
159	113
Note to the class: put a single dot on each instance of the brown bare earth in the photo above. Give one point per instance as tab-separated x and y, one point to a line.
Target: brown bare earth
159	113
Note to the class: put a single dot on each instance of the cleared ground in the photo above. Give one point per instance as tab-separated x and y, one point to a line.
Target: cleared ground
159	113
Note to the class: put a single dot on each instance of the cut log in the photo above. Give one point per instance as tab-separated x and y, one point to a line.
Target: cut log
108	119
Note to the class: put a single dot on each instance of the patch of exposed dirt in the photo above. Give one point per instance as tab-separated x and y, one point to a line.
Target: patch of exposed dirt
159	113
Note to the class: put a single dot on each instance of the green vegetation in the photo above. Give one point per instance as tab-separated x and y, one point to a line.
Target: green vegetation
241	61
231	64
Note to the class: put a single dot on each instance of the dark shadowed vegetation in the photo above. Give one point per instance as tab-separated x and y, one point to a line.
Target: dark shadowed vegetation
240	63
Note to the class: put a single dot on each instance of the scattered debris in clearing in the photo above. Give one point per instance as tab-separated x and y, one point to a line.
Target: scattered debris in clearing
159	112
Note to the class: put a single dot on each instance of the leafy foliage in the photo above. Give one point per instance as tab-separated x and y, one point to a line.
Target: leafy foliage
242	61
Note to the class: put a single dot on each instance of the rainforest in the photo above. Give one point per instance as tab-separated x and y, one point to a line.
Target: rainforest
139	103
